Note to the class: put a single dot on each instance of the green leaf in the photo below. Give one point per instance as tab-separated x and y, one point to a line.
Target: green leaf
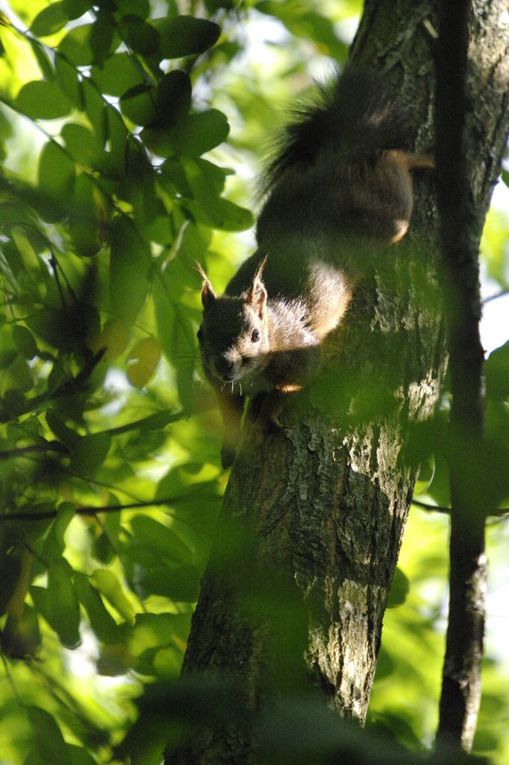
76	46
55	179
42	100
129	269
76	8
80	756
100	619
143	360
139	104
58	603
96	110
89	453
497	373
81	143
199	133
68	79
21	636
54	543
117	74
43	59
219	212
133	7
400	588
24	341
185	35
173	97
10	569
161	539
49	742
49	20
179	583
109	586
17	376
155	630
102	36
138	35
51	325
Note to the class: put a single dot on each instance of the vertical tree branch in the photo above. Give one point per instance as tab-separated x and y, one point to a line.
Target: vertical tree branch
461	225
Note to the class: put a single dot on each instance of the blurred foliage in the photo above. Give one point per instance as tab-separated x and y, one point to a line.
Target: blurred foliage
109	447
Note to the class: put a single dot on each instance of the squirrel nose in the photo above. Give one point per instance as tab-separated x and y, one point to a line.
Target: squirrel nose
225	368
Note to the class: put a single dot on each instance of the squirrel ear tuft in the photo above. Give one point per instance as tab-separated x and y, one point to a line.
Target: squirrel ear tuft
256	295
208	296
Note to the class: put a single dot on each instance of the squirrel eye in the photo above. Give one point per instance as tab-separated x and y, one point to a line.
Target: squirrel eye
255	335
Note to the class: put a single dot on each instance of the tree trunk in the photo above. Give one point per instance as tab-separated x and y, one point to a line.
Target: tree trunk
317	511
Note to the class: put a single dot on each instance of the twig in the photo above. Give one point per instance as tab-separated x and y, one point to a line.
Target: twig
91	510
495	296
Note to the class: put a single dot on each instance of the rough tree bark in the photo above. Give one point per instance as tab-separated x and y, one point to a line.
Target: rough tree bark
318	510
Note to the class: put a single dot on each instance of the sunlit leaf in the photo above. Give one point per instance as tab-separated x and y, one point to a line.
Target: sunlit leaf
42	100
143	360
113	338
50	743
49	20
54	543
117	74
109	586
76	8
161	539
58	603
76	46
101	620
55	178
67	78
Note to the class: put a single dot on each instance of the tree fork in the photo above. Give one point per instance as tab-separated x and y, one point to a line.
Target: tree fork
318	510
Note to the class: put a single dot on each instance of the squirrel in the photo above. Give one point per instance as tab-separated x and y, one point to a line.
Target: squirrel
338	191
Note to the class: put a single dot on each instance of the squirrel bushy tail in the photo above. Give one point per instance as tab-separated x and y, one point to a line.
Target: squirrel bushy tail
342	168
356	116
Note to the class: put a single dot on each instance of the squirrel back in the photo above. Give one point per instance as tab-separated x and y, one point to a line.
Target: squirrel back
342	166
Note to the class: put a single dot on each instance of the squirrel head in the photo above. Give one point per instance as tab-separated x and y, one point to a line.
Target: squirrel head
234	333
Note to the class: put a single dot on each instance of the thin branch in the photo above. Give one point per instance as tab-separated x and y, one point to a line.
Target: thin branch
460	234
495	296
497	515
91	510
46	446
67	388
